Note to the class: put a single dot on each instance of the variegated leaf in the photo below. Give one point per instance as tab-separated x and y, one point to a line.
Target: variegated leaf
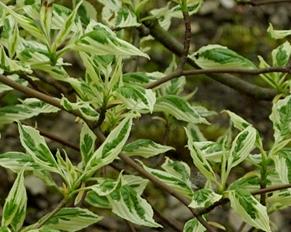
14	77
100	40
36	146
217	56
29	108
279	200
282	163
281	118
112	146
204	198
241	147
193	225
16	161
278	34
72	219
14	210
127	204
87	143
145	148
249	209
178	108
249	182
199	158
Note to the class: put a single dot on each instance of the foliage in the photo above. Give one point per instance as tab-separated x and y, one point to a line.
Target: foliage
36	39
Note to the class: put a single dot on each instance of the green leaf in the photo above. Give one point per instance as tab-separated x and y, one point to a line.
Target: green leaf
16	161
199	158
36	146
125	18
217	56
281	54
87	143
281	115
212	150
278	34
100	40
193	225
241	147
72	219
14	77
178	108
14	210
137	98
29	108
97	201
145	148
111	147
203	198
249	182
127	204
10	35
4	229
249	209
279	200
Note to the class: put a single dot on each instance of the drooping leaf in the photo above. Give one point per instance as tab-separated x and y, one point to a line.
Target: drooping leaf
14	210
278	34
72	219
145	148
249	209
217	56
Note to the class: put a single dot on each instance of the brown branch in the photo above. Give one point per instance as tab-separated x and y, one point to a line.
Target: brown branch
233	82
194	72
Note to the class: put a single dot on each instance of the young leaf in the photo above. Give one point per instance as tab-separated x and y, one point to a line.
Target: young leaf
204	198
87	143
14	210
282	163
178	108
217	56
249	209
72	219
111	147
199	158
137	98
278	34
193	225
281	115
145	148
127	204
36	146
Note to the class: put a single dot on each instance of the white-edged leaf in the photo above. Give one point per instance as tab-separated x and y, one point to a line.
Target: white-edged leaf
112	146
35	145
282	163
281	118
249	209
217	56
13	77
87	143
193	225
241	147
29	108
281	54
178	108
106	186
72	219
212	150
249	182
204	198
279	200
14	210
278	34
137	98
199	158
16	161
145	148
100	40
178	181
127	204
